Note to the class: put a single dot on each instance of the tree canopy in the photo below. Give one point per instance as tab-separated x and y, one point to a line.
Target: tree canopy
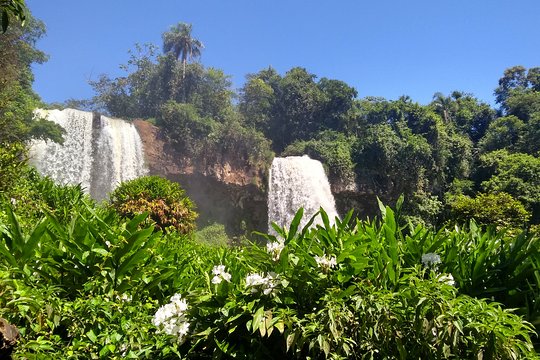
12	9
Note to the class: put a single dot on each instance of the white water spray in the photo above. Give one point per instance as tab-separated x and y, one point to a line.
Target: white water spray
295	182
97	153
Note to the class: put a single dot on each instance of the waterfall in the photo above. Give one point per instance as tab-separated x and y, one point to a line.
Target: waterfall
295	182
98	152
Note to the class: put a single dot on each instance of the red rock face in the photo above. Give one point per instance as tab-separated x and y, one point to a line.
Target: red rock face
162	160
225	189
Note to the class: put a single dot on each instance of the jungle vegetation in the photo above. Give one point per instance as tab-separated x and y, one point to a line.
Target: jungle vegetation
451	271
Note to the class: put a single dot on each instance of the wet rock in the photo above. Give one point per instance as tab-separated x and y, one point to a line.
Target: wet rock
9	336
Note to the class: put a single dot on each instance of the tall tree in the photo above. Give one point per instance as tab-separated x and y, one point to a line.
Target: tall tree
179	41
443	106
516	80
513	78
17	99
11	8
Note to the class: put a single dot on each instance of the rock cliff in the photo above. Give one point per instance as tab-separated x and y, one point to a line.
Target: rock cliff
228	190
225	189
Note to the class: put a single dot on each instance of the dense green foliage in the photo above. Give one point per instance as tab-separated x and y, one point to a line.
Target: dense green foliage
11	9
17	99
494	208
164	201
192	104
90	286
82	280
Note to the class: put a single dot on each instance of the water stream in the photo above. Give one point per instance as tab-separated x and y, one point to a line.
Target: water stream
98	152
298	181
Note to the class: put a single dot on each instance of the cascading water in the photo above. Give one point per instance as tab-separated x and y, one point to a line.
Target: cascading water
70	163
119	154
98	152
295	182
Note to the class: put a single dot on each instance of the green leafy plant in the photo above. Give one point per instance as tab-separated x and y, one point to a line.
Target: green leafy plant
91	287
213	234
341	291
499	209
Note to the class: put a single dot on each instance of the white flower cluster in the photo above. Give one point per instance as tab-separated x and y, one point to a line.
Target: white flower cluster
447	279
267	284
326	263
171	318
125	297
220	274
275	248
430	259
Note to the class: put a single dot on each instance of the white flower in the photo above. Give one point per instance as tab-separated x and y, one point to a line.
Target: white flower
430	259
218	269
254	280
265	284
447	279
220	274
171	318
123	350
326	263
13	201
108	243
179	303
274	248
271	282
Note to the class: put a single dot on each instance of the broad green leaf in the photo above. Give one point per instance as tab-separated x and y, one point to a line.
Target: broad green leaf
92	336
258	317
293	228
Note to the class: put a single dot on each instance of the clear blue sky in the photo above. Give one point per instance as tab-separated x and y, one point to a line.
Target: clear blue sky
381	47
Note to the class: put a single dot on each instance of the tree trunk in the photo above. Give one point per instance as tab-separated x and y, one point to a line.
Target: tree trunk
184	68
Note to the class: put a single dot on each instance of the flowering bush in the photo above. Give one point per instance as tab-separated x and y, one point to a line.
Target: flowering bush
265	284
343	291
355	289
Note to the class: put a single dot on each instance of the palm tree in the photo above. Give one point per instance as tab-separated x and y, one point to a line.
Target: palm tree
179	41
443	106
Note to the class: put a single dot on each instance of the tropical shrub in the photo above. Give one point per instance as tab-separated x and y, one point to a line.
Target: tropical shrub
165	202
499	209
85	288
486	262
343	291
91	288
32	196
